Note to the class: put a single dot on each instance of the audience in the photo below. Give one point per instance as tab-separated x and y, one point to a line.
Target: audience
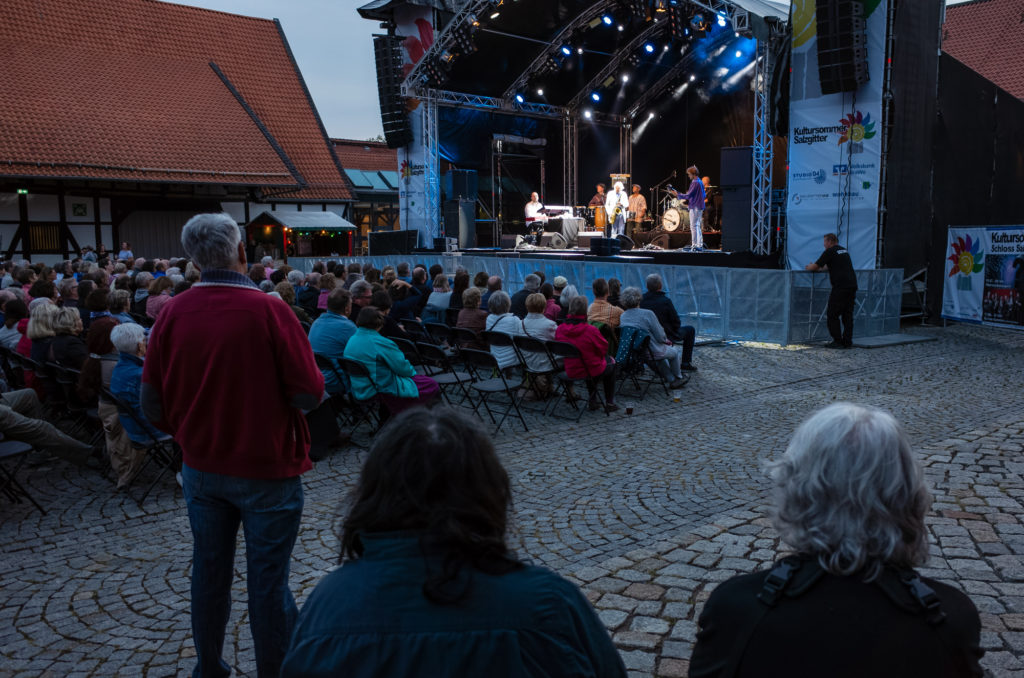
361	292
472	317
15	311
667	356
459	285
287	293
425	542
530	284
601	311
500	320
437	303
594	363
493	285
67	348
329	334
657	301
126	381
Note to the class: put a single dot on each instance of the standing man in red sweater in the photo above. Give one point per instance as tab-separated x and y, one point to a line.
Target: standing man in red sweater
245	441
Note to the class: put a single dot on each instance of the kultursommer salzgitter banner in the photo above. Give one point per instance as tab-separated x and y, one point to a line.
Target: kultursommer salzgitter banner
985	275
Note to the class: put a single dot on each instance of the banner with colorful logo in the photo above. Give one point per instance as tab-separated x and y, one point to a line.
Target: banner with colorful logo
985	275
835	146
415	25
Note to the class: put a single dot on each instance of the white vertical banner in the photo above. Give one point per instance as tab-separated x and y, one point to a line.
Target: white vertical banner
835	144
415	25
965	279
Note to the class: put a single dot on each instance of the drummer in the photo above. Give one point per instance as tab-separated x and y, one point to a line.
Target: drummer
637	211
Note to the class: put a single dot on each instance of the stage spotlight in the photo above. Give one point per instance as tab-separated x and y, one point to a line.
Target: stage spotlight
625	77
739	53
447	57
621	28
565	50
650	115
579	50
649	48
495	15
721	20
588	114
665	48
693	78
607	19
472	20
540	92
519	98
595	96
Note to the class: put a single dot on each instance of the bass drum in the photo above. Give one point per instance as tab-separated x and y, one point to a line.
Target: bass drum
600	218
675	220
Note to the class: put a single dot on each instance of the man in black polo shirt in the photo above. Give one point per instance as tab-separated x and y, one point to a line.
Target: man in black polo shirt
836	260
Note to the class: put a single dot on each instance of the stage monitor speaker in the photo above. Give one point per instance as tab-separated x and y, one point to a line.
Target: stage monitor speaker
605	247
625	243
737	166
461	184
553	240
460	222
842	45
508	240
392	242
387	50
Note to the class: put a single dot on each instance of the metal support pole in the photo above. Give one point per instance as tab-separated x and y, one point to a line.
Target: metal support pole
887	110
570	159
761	184
431	169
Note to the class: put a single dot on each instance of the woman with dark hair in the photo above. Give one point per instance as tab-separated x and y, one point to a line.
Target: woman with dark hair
257	274
850	501
391	327
480	281
159	294
459	285
614	288
552	308
594	363
15	310
429	586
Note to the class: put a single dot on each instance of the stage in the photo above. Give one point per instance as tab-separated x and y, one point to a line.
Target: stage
713	258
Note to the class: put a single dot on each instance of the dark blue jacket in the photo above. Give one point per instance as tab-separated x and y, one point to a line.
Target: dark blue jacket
126	384
666	312
370	618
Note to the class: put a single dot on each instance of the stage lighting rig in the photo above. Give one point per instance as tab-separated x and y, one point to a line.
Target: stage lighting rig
676	24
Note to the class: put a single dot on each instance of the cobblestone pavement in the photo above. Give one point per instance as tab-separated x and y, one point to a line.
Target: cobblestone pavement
646	513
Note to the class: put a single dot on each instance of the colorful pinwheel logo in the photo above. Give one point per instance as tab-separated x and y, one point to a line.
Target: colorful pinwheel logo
966	257
857	127
406	170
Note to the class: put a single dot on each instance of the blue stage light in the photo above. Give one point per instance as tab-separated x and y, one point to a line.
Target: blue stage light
721	20
649	48
607	19
566	50
519	98
595	96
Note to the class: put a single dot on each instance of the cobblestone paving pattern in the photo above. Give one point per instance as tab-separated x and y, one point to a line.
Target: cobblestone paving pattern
646	513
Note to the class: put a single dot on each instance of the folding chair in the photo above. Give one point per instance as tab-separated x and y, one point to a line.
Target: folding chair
354	368
9	485
353	412
85	419
533	345
415	329
483	366
12	369
563	350
451	316
160	449
465	337
410	352
439	334
634	359
446	375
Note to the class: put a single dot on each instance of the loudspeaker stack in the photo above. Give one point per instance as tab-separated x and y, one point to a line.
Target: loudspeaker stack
842	45
388	52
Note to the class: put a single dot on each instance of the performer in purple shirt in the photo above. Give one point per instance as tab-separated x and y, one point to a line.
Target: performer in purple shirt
695	199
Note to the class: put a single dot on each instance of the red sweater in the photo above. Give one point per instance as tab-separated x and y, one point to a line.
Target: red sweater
225	362
593	347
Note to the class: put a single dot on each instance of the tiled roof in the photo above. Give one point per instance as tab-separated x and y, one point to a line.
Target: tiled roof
366	155
144	90
988	36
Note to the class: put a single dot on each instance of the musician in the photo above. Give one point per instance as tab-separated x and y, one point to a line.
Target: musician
617	207
637	211
598	199
695	199
534	207
710	211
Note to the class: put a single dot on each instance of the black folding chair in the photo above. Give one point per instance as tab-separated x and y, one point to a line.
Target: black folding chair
533	345
12	369
465	337
9	485
84	418
409	350
160	449
439	368
440	334
354	413
372	409
451	316
489	379
564	350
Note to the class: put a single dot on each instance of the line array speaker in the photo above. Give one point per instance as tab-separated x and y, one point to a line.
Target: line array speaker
387	49
842	45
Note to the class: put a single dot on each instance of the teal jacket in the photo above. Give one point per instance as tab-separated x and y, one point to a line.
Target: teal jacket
391	372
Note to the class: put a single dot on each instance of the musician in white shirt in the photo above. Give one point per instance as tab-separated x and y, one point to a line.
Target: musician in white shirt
534	207
617	199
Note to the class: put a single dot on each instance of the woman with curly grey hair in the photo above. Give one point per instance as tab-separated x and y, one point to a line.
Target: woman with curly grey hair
851	503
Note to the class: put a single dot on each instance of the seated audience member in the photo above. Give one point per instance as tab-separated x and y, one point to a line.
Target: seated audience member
459	285
268	266
493	285
437	302
472	317
601	311
43	289
594	363
480	281
99	314
67	347
141	283
329	334
559	284
538	326
117	304
851	502
297	279
419	282
125	459
657	301
68	291
667	355
551	306
429	586
434	271
328	283
354	273
308	296
405	299
24	278
381	300
388	277
402	272
126	380
361	293
22	418
39	334
287	293
393	378
500	320
530	284
257	274
568	294
372	276
15	311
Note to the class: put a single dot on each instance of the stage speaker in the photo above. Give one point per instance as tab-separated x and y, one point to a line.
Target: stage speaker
553	240
625	243
387	50
460	222
605	247
508	240
461	184
737	166
842	45
584	238
737	172
392	242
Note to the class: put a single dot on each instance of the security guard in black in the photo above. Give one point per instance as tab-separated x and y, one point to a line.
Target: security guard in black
836	259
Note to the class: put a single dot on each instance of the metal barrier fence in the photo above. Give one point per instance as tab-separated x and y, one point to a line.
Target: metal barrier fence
777	307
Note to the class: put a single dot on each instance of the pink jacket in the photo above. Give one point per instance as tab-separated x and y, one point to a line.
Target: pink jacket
593	347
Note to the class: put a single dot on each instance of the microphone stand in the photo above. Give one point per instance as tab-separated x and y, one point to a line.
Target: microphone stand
655	203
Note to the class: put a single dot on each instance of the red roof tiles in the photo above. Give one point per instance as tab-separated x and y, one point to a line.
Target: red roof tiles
150	91
988	36
366	155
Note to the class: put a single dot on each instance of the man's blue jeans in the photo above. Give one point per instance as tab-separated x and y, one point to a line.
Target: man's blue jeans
270	512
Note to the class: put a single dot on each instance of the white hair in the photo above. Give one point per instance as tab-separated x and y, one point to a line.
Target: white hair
618	186
267	286
499	302
630	297
296	277
126	337
850	491
267	261
211	240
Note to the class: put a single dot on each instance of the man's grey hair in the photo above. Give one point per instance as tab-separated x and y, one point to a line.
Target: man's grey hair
654	282
118	301
359	288
267	261
267	286
296	277
313	279
211	240
498	303
143	279
64	287
531	281
568	294
630	297
126	337
850	492
176	278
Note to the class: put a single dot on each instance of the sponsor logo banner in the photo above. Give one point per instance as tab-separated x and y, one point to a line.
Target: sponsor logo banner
414	24
985	276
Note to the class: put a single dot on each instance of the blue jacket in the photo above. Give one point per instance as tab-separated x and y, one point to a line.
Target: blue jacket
370	618
126	384
391	372
328	336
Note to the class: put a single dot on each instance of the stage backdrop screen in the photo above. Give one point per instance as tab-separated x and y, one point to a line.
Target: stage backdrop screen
985	275
835	143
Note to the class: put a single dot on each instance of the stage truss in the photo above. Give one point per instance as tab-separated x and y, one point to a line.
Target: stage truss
415	86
